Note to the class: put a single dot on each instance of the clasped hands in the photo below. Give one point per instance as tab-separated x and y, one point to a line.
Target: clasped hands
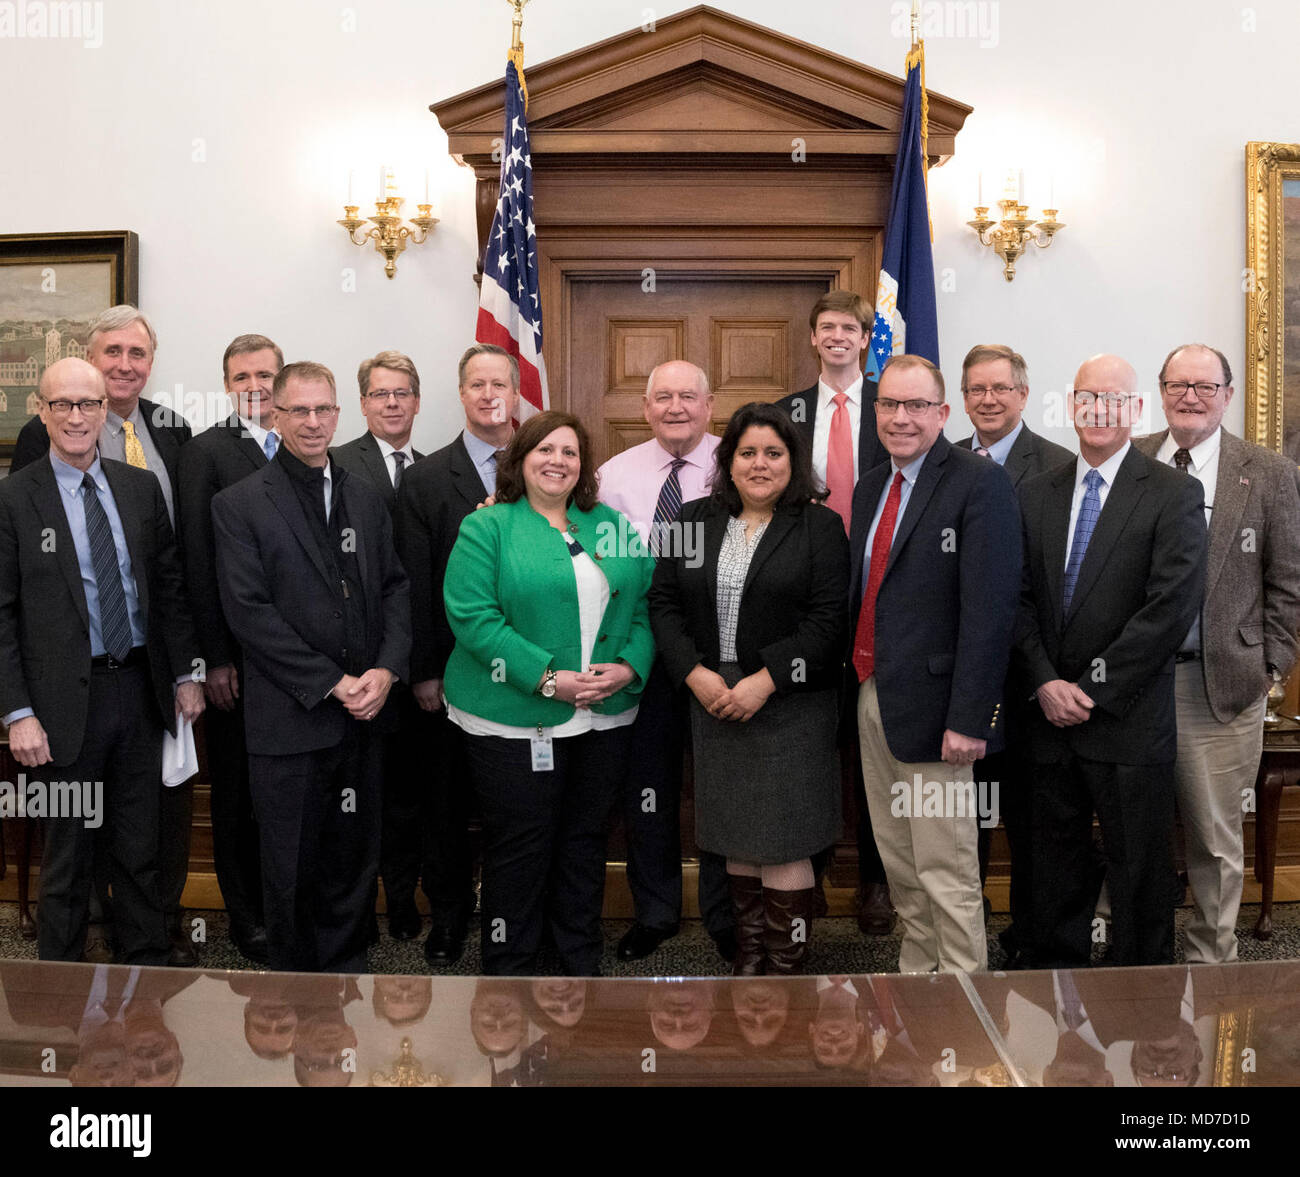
738	703
1065	704
364	695
594	685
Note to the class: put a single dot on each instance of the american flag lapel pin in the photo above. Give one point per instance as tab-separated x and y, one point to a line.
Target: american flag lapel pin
1243	480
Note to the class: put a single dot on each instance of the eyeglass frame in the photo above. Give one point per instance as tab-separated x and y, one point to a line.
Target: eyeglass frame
881	402
53	406
304	412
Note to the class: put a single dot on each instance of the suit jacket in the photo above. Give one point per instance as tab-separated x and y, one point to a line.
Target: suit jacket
169	431
361	456
792	615
285	607
1138	590
1252	584
437	492
1030	454
946	609
802	407
44	622
215	459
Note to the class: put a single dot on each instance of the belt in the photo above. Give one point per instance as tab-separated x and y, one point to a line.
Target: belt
1187	656
137	657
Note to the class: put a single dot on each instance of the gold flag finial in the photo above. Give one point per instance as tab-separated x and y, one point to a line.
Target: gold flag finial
516	53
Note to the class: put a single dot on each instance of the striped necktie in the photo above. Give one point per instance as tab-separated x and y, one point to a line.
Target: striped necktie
114	622
669	504
399	460
134	450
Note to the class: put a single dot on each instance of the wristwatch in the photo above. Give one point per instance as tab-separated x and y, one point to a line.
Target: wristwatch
548	685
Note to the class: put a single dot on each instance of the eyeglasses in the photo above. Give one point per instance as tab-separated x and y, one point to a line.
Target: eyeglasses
915	408
1203	388
1112	400
402	394
62	408
978	391
302	412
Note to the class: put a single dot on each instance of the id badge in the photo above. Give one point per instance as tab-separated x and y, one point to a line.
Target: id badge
543	752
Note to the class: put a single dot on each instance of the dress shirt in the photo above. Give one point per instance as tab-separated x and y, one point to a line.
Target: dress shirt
1108	469
483	455
1085	1030
909	473
999	450
630	482
257	432
387	451
734	559
112	444
1204	466
821	439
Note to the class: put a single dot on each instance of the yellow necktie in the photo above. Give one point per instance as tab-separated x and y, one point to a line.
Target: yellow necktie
134	450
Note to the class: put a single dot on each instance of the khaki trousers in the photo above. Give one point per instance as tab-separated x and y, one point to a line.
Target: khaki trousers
932	863
1216	762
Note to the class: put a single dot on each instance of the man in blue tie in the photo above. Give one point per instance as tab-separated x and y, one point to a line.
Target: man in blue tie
1115	549
97	654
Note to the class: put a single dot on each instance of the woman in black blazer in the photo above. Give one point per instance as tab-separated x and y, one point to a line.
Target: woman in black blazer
757	630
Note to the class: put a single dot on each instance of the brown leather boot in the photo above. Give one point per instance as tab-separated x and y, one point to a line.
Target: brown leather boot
789	916
747	903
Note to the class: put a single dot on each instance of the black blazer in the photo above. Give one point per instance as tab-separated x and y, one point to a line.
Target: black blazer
44	623
361	457
437	492
1138	590
792	616
169	431
802	407
215	459
284	606
946	609
1030	454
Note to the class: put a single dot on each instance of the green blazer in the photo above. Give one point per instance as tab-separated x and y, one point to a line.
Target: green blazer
512	602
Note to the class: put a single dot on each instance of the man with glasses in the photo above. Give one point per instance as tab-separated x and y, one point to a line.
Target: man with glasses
936	580
995	389
1114	571
390	400
1242	642
314	594
96	659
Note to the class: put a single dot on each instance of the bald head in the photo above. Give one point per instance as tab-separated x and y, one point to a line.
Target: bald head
73	400
71	372
1103	405
678	405
1106	367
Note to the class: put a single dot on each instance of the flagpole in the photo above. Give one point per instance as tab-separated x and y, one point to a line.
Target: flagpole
516	53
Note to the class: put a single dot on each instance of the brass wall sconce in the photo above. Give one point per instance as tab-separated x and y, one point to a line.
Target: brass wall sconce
389	233
1011	236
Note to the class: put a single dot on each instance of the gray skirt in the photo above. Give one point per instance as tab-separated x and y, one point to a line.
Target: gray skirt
768	791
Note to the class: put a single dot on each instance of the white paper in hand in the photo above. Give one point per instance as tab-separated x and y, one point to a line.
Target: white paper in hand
180	761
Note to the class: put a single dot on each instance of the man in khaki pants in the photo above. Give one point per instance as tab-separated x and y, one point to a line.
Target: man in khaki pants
1244	639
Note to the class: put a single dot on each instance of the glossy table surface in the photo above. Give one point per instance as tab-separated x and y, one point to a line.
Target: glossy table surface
1233	1025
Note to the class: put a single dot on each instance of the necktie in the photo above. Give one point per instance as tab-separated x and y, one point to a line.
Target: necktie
399	460
864	649
497	455
1183	460
1089	509
114	624
839	461
134	450
270	445
670	502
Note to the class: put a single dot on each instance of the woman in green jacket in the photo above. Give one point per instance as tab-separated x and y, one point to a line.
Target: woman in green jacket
546	596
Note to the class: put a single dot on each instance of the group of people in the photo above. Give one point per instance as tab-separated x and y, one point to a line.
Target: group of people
385	641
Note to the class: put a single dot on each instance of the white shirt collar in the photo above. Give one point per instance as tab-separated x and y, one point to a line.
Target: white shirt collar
386	450
1108	469
826	394
1201	454
257	432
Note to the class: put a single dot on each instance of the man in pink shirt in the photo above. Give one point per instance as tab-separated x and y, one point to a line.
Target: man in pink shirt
649	483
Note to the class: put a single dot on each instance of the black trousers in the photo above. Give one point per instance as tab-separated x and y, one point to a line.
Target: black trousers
544	847
1014	779
652	795
427	801
1134	804
234	827
121	752
318	816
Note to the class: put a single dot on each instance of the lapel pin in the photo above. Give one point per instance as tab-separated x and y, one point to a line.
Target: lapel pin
1243	480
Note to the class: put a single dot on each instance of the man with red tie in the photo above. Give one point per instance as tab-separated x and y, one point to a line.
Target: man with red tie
936	567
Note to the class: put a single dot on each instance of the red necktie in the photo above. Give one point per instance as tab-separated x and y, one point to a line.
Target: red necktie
864	649
839	461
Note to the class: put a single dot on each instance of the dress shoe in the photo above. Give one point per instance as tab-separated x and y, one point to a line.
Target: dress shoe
183	954
788	916
443	945
725	943
751	926
404	922
876	916
252	943
641	941
97	950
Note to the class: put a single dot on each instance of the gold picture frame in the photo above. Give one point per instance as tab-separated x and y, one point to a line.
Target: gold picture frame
1272	283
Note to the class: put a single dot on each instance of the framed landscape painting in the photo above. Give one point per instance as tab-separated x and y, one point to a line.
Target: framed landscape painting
52	285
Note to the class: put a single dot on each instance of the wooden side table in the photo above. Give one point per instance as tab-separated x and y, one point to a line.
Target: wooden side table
1278	767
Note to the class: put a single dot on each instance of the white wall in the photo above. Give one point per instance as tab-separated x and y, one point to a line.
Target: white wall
223	134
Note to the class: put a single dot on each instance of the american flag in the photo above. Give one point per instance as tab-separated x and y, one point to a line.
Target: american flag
509	308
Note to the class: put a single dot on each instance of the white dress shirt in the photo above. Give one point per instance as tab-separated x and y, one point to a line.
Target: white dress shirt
387	451
1108	470
822	425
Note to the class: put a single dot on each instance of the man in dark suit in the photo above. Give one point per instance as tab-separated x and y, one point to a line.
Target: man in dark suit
121	344
837	417
1114	572
936	578
97	651
437	494
995	388
314	595
1243	641
217	458
390	398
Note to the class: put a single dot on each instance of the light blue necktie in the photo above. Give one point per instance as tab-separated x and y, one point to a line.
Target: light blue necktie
1089	509
270	445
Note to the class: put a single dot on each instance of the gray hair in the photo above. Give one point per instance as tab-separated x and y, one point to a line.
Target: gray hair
118	317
